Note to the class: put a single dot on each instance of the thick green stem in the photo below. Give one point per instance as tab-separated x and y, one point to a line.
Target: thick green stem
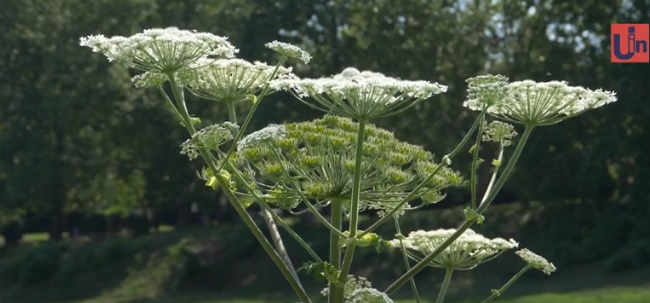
267	215
405	258
356	185
499	292
468	223
232	114
445	285
335	251
475	164
354	207
225	186
447	158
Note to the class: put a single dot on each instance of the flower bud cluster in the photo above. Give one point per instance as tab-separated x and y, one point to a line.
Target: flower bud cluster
536	261
499	132
209	138
319	156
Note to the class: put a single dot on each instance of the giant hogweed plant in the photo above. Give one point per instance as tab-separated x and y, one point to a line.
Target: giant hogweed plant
342	161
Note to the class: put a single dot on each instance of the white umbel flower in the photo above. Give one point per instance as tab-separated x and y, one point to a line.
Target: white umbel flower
272	130
361	94
359	290
368	295
162	50
543	103
232	80
466	252
289	50
536	261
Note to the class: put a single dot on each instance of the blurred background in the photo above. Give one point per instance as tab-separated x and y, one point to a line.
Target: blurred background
97	204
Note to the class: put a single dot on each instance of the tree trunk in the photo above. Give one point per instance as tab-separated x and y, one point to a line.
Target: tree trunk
58	195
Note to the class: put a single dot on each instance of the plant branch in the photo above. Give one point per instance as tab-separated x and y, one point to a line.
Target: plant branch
468	223
225	186
500	291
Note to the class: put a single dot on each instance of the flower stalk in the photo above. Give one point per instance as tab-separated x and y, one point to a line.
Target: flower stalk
407	264
335	250
354	208
445	285
498	292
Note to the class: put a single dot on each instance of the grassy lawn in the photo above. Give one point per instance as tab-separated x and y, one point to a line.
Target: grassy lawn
101	274
639	294
579	286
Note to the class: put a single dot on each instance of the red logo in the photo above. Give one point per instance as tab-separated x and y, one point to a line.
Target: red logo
629	43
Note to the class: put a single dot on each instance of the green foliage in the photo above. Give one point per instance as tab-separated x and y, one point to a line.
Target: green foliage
32	264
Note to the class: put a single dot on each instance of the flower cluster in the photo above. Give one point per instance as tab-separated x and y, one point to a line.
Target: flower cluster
361	94
536	261
499	132
368	295
232	80
209	138
533	103
466	252
359	290
159	50
289	50
149	79
316	160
